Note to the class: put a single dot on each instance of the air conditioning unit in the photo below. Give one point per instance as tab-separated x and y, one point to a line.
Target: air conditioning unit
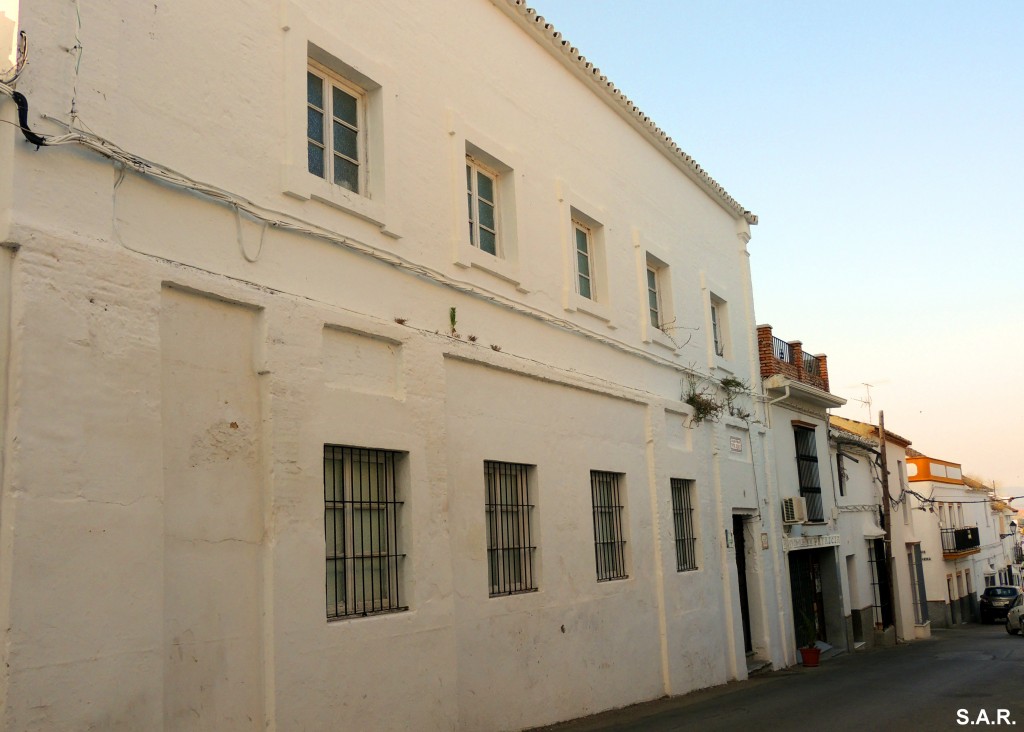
794	510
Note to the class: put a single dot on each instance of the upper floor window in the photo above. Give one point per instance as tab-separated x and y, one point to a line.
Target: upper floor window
335	129
718	325
653	296
583	237
361	526
807	471
482	195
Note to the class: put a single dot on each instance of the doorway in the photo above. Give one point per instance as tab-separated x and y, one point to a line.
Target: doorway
739	537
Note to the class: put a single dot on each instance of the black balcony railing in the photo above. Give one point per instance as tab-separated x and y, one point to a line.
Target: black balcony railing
955	541
781	350
811	365
1018	555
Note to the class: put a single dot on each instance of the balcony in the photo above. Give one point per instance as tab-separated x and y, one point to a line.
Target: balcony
789	359
960	542
1018	555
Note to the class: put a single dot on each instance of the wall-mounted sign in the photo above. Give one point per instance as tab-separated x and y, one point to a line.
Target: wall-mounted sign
736	444
790	544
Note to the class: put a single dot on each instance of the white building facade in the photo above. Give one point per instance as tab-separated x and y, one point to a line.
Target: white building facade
857	453
959	539
350	363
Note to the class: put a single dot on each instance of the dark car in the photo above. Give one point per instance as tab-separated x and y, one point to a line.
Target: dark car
996	601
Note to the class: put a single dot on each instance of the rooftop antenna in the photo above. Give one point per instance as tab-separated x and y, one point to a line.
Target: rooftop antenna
866	401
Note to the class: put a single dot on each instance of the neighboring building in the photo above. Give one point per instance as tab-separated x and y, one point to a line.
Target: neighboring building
958	540
383	424
857	450
796	387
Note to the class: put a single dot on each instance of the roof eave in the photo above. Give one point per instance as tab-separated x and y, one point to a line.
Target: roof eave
806	392
549	38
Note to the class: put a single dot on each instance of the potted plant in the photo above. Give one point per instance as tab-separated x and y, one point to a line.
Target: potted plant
810	654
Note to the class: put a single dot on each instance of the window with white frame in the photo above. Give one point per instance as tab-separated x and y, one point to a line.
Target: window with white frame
684	524
583	238
362	531
654	306
482	196
718	325
509	528
609	541
335	129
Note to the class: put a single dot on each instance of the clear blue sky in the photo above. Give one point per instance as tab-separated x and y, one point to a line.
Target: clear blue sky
881	146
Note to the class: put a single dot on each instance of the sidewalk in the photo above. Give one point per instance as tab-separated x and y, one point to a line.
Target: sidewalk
918	685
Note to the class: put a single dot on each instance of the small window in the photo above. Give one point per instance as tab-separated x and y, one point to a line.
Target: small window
654	297
482	195
335	130
718	326
807	471
361	524
584	240
841	472
509	528
609	541
682	518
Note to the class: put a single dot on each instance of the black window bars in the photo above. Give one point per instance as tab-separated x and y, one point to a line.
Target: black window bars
609	541
361	529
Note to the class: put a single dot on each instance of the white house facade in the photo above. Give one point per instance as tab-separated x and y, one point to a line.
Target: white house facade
350	357
857	452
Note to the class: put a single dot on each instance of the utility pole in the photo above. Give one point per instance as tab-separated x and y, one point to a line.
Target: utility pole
887	515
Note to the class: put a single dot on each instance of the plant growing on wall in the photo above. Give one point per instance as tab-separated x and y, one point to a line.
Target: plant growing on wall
700	395
451	322
733	388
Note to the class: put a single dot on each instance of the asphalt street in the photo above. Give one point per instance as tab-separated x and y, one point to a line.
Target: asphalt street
971	677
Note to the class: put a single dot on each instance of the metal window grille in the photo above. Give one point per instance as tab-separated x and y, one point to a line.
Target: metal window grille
876	600
609	541
880	599
509	536
915	585
807	470
361	527
682	518
841	471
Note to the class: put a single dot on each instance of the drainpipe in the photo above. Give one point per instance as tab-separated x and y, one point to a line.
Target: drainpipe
768	406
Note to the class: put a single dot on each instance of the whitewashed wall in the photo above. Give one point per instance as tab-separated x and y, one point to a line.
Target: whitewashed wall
161	524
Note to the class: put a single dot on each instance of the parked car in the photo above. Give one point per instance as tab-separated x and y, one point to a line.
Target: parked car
996	601
1015	616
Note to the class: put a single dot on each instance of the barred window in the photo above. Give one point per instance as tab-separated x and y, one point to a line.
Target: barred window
609	541
682	518
509	530
807	471
361	526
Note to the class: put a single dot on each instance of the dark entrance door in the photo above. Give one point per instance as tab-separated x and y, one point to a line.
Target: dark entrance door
741	574
808	599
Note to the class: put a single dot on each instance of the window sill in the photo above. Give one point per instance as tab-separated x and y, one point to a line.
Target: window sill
469	257
658	337
307	187
578	303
